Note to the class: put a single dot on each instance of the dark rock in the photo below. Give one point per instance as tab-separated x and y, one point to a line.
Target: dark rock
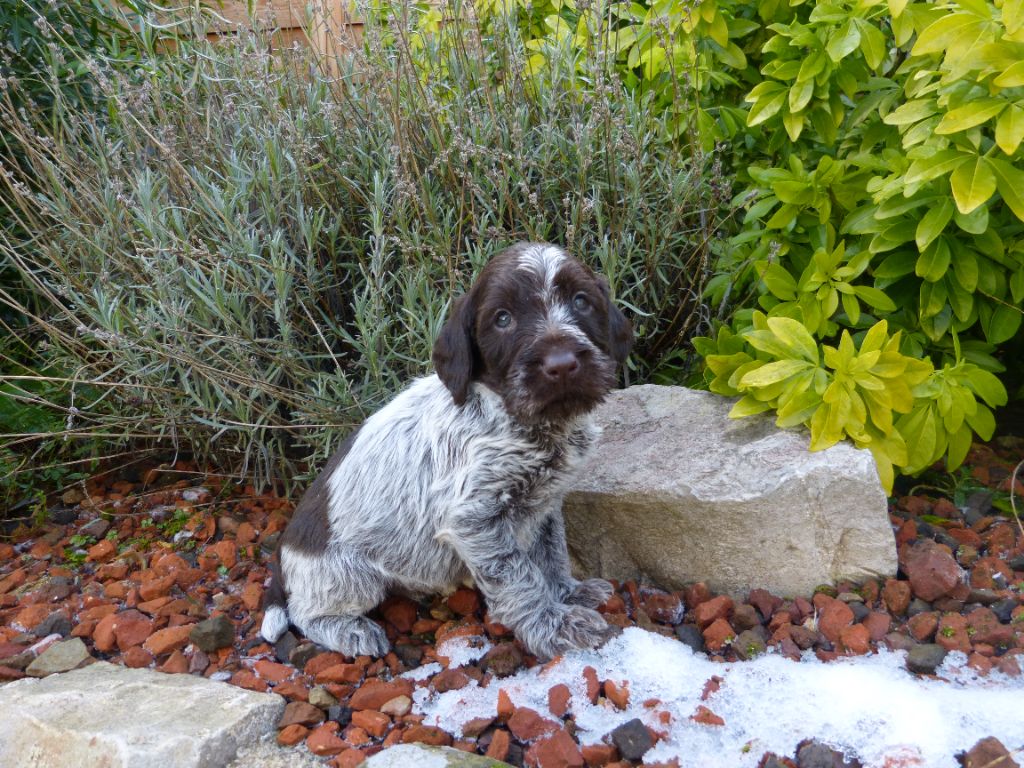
284	646
502	660
62	515
982	596
978	505
860	611
302	653
1003	609
212	634
924	658
516	756
803	637
987	753
410	655
814	754
917	605
748	644
57	623
96	528
339	714
745	617
1016	563
632	739
688	634
896	641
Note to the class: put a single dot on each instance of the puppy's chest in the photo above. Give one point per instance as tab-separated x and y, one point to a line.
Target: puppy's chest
536	478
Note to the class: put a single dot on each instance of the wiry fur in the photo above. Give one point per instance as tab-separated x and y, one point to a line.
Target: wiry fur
462	475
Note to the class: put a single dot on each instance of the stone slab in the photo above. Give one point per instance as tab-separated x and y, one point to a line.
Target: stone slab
677	492
113	717
423	756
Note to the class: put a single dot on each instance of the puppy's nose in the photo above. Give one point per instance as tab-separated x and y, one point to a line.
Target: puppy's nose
560	364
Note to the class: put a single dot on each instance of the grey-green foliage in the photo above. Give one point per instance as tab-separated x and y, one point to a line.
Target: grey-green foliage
243	251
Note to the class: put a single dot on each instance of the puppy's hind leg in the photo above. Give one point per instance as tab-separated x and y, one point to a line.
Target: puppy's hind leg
328	597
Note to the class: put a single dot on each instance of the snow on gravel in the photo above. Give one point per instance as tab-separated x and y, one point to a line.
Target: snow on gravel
870	706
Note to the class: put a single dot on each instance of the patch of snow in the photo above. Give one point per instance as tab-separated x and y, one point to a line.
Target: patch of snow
422	673
869	706
461	651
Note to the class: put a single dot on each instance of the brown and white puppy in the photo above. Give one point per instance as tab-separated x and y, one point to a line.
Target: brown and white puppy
462	474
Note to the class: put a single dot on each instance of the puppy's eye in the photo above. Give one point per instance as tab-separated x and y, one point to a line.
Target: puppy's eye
581	302
503	319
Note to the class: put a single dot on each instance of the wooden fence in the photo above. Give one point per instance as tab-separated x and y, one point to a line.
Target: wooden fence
328	26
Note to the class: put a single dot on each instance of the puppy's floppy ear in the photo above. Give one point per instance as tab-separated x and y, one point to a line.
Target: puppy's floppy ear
455	349
620	330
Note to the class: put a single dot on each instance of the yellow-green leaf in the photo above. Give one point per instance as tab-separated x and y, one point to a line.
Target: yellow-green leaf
800	94
793	123
872	43
911	112
1012	76
843	42
795	336
1013	15
938	36
959	445
875	298
896	7
1010	181
766	107
748	406
986	385
969	115
773	373
1010	129
973	183
933	222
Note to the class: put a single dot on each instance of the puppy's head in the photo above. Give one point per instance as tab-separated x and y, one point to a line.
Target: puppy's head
537	327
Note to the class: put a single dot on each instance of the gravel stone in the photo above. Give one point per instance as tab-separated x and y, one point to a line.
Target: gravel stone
212	634
748	644
502	660
409	654
917	605
813	754
284	646
924	658
632	740
303	653
1003	609
689	635
96	528
60	657
57	623
339	714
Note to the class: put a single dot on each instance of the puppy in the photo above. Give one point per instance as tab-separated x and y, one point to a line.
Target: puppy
462	475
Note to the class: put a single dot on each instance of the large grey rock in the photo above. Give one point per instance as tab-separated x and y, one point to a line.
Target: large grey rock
110	716
423	756
678	492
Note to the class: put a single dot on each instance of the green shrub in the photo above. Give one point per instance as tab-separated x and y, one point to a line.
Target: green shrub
877	152
45	58
239	256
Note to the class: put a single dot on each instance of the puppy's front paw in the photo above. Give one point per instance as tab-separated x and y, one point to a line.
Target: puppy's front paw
590	593
564	628
349	635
